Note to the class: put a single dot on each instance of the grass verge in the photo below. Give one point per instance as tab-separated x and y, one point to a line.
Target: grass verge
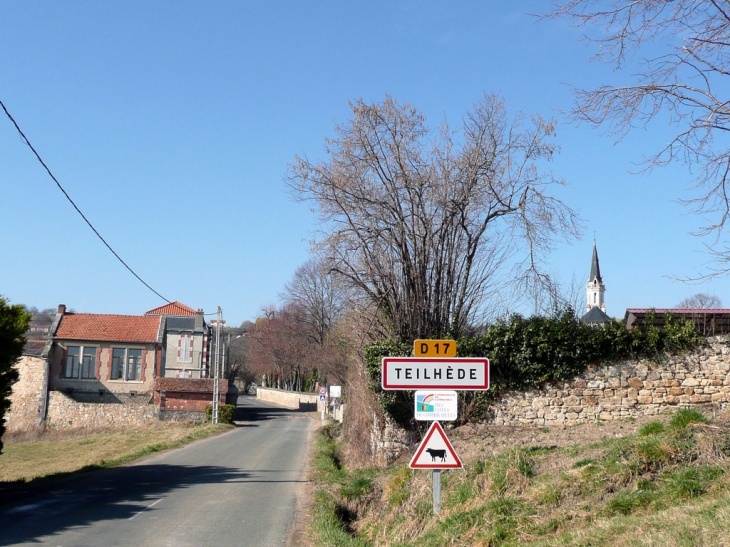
668	485
58	453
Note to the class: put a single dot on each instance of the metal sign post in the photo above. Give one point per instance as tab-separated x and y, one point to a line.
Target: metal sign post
436	491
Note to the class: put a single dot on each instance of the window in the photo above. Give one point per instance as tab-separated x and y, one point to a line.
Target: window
88	363
126	364
185	349
80	362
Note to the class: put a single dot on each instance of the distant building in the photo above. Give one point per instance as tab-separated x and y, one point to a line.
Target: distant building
595	291
707	321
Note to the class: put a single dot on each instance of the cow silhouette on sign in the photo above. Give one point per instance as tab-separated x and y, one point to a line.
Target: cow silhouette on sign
437	454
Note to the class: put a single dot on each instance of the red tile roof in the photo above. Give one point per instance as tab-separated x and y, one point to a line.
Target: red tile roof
174	308
109	328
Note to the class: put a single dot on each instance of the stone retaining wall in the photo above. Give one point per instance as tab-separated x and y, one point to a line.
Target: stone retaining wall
182	416
290	399
698	379
65	412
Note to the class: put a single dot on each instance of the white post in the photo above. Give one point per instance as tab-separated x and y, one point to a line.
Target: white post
216	387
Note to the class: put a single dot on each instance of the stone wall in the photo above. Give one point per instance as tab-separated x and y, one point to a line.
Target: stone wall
290	399
66	412
698	379
27	399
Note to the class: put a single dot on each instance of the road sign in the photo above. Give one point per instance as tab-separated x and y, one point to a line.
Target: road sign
436	405
323	397
335	391
434	348
435	451
464	373
323	390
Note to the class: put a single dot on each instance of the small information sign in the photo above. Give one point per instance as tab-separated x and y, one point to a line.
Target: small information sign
335	391
436	405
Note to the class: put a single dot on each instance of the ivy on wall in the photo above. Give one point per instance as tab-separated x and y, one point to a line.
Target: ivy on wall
525	353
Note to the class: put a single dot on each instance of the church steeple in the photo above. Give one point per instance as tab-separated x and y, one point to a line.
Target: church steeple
595	288
595	268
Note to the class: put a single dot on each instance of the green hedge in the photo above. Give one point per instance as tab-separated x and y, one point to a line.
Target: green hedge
226	413
524	353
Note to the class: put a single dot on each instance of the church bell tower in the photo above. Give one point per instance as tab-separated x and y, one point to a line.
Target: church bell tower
595	288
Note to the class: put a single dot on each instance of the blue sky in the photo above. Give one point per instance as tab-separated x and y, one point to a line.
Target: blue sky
171	125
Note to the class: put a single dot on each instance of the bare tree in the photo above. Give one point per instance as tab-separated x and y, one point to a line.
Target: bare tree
422	223
319	296
700	301
684	79
277	348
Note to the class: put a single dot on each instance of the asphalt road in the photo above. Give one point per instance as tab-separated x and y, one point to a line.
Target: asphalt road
238	489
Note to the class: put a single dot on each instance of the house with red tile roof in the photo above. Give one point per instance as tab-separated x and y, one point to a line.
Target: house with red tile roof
98	353
186	352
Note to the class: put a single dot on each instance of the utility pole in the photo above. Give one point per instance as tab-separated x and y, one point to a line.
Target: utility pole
216	387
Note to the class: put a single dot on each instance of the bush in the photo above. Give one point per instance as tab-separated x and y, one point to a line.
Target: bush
14	321
226	413
525	353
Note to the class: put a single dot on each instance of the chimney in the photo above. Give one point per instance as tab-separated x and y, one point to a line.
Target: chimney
199	322
62	308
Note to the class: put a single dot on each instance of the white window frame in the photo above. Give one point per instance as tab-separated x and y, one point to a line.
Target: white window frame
85	358
131	365
185	348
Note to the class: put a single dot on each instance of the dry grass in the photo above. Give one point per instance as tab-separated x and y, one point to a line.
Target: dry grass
38	454
626	485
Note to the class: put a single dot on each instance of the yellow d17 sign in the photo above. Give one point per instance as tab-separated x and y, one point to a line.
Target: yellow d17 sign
434	348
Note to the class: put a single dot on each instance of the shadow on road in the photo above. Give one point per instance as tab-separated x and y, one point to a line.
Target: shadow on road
250	409
54	505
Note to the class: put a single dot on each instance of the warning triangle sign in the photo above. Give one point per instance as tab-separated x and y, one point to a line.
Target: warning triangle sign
435	451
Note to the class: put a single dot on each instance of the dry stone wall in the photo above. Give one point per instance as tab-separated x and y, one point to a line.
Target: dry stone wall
65	412
697	379
27	400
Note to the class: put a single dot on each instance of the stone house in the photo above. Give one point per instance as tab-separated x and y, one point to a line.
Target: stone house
186	351
109	369
105	354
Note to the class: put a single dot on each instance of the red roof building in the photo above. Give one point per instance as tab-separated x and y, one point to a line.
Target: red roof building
110	328
173	308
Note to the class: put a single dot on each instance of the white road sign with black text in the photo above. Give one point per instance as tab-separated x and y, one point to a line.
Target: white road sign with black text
457	373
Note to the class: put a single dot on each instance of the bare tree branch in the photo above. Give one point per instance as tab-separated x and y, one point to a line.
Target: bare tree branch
686	81
421	224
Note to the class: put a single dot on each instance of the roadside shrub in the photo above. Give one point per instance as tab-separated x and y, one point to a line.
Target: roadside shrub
226	413
685	417
525	353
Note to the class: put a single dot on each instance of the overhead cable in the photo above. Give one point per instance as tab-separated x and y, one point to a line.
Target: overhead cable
25	139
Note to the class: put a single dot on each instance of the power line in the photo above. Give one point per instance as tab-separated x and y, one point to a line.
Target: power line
25	139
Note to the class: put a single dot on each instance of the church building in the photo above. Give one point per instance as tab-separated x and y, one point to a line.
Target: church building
595	291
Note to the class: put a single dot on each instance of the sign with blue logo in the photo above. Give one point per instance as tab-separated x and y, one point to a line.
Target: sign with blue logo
434	405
